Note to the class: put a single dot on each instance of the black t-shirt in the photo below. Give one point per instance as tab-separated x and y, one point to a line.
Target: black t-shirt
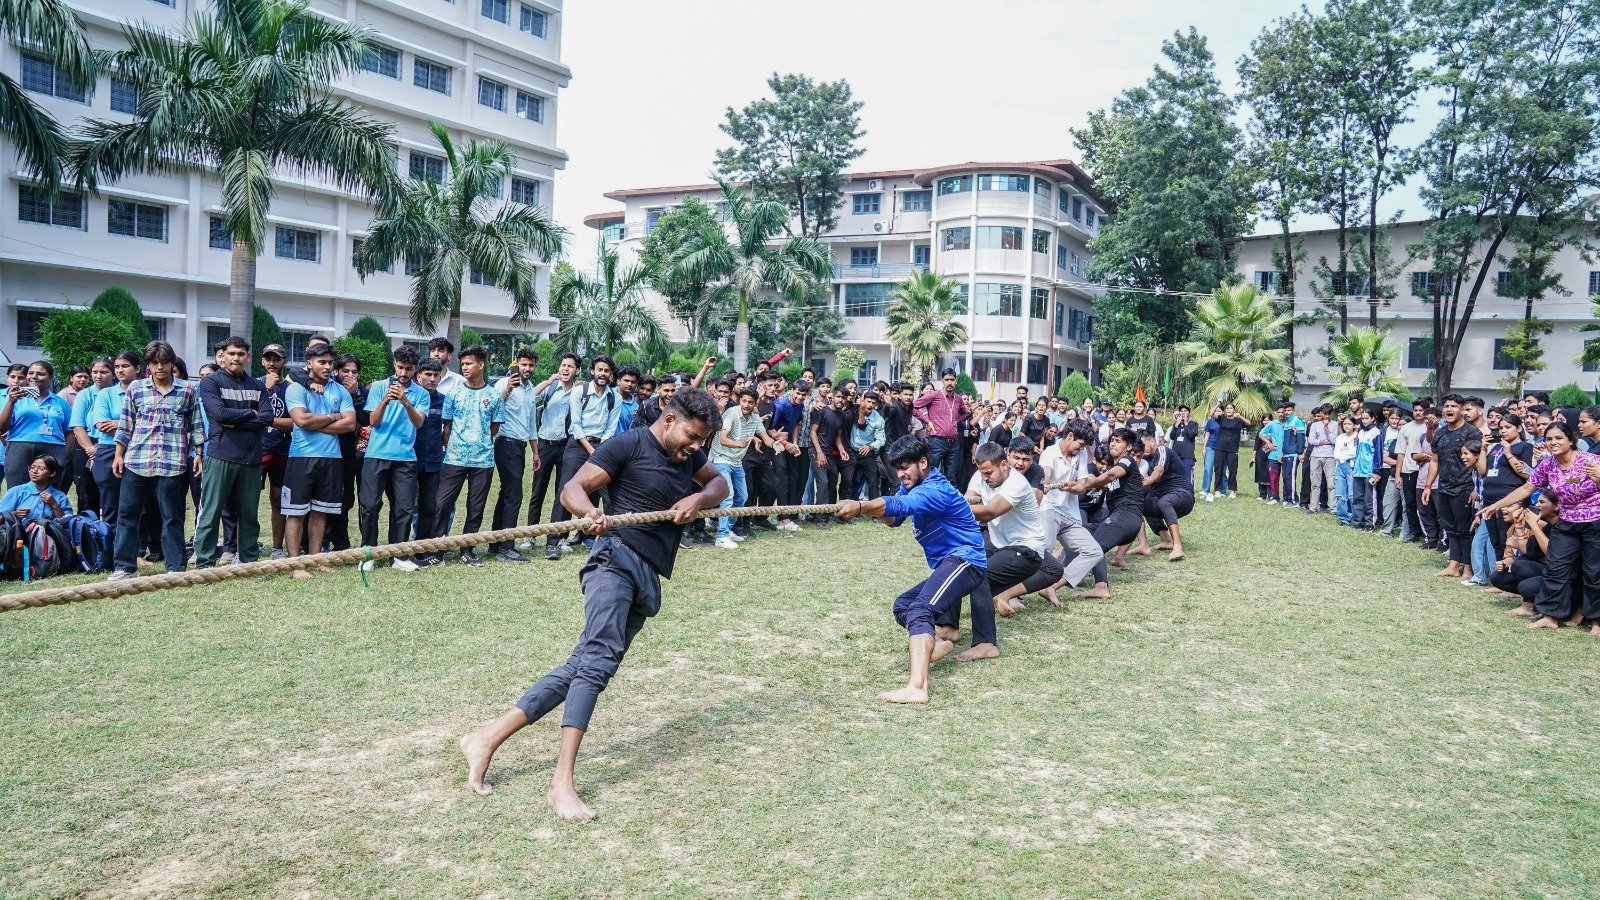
645	478
1454	477
896	422
276	440
1034	427
1229	431
761	453
1180	439
1035	476
1129	490
830	422
999	434
1174	476
1501	479
1145	424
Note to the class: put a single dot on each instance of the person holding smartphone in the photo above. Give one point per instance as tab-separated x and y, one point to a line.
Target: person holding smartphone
35	423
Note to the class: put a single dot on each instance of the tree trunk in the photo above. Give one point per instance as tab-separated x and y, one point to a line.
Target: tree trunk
741	336
242	294
452	331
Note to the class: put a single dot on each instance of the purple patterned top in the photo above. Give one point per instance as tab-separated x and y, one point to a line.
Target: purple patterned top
1574	488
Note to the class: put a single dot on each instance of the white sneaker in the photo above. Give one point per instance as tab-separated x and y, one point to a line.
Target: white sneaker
403	565
119	575
367	566
727	544
788	526
525	544
225	559
1210	497
739	537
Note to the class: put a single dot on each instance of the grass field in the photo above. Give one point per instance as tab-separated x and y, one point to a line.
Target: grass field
1295	710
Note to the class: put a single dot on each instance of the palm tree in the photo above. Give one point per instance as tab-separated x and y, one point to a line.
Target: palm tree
1366	361
449	228
244	90
607	311
1233	331
922	322
748	261
52	25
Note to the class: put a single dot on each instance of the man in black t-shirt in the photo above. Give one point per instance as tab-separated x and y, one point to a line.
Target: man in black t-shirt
1225	461
642	470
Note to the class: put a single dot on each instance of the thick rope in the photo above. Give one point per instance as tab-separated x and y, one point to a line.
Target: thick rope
105	590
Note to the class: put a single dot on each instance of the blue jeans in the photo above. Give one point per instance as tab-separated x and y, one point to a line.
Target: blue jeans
169	494
1205	487
1482	554
1341	490
943	454
733	473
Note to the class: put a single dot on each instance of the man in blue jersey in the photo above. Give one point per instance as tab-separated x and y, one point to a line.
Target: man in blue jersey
322	409
945	527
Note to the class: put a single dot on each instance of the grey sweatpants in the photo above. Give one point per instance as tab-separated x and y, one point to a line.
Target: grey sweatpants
1079	550
620	591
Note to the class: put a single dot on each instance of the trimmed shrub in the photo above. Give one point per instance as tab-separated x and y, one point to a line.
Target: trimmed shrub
1074	388
965	384
1570	395
469	338
74	337
117	303
264	330
376	362
367	328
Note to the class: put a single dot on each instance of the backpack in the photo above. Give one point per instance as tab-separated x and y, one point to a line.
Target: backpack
12	537
90	538
36	549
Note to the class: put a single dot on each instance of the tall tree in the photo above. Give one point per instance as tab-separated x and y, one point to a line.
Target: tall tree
751	258
606	312
1232	349
922	321
455	228
1168	155
705	307
243	89
52	26
1518	135
794	147
1365	360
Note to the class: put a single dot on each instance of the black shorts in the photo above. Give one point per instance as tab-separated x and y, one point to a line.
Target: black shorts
312	484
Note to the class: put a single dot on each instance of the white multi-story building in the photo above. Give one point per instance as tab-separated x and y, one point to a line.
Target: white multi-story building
1409	314
1011	235
482	68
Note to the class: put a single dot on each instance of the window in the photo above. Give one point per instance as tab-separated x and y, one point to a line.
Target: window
1594	283
958	298
652	218
494	187
530	107
432	76
215	335
1043	188
1077	209
221	234
867	299
498	10
524	191
491	94
1041	241
426	167
1075	324
1061	258
413	267
532	21
1076	265
865	204
421	347
355	251
1017	183
1590	348
140	220
1346	284
30	327
1061	315
1269	282
42	76
124	96
1427	284
64	210
920	254
476	277
1502	362
157	328
916	201
996	368
298	243
383	60
1065	204
1419	353
612	232
1510	284
863	256
960	184
868	373
1038	302
295	342
956	238
999	299
999	237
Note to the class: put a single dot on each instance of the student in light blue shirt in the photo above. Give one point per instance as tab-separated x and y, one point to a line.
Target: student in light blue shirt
34	420
594	410
554	395
519	429
35	500
101	422
313	478
397	407
81	442
472	416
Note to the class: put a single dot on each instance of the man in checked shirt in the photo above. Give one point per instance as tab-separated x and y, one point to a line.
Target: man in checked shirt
159	434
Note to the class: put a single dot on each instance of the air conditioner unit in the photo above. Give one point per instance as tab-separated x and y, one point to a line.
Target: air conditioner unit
877	226
874	185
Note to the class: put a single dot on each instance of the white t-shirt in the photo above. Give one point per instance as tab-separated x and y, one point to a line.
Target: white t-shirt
1411	434
1059	468
1022	525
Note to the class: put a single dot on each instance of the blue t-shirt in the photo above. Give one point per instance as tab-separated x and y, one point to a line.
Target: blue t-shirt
941	519
1294	436
80	407
25	498
1273	431
333	399
108	404
470	413
395	438
42	421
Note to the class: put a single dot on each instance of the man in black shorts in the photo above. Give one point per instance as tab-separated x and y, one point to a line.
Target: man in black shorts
643	470
313	485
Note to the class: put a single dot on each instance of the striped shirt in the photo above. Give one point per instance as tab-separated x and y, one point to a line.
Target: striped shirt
736	426
159	432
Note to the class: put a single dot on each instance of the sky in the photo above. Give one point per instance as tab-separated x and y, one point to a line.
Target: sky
1004	80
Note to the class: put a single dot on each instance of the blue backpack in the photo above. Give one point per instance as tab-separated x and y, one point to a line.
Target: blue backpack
91	539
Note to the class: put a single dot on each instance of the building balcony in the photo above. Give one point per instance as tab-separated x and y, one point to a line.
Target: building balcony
889	271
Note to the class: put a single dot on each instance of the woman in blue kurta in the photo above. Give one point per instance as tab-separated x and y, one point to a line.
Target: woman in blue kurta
35	422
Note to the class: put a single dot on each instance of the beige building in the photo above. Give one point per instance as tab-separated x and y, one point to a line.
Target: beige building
482	68
1409	315
1012	235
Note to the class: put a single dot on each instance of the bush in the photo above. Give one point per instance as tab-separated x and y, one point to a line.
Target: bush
1570	395
626	357
546	349
965	384
74	337
790	371
117	303
367	328
375	358
849	361
264	330
469	338
1074	388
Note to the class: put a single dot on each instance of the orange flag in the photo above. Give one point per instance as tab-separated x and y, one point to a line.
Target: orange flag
1138	392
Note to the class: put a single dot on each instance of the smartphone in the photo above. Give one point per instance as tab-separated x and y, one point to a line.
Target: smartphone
31	391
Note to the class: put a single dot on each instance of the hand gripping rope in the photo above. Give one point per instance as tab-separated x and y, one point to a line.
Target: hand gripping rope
106	590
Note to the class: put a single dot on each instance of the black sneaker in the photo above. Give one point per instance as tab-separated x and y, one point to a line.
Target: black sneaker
685	542
511	556
470	558
552	552
428	560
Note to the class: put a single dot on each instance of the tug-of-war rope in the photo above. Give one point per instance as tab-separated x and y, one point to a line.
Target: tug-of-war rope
106	590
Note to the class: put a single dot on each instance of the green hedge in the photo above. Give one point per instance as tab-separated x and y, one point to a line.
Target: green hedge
74	337
376	362
117	303
264	330
1570	395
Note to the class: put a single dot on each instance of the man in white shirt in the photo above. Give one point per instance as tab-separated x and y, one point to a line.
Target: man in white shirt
1409	443
441	349
1064	462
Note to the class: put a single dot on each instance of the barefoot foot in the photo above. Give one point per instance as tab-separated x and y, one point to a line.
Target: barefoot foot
1098	592
326	569
906	694
566	804
1003	607
941	649
301	573
1544	622
1525	611
1117	563
477	754
947	633
1174	556
1050	594
980	651
1139	551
